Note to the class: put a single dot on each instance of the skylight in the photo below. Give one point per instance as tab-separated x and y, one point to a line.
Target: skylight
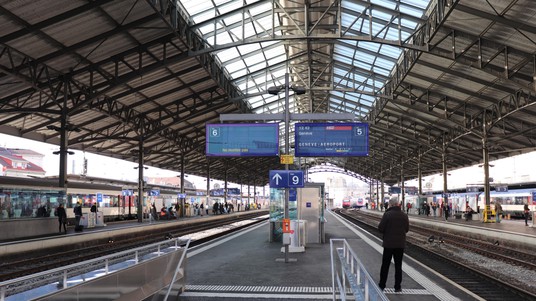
257	48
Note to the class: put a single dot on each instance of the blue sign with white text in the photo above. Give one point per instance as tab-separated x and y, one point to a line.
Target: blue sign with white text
286	178
331	139
241	139
292	195
99	197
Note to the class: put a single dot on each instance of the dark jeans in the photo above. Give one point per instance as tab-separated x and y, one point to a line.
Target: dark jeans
63	222
389	253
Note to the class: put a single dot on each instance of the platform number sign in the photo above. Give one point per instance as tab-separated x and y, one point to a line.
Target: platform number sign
215	132
286	179
242	140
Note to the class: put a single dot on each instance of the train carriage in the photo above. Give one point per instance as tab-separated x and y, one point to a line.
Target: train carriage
39	197
512	201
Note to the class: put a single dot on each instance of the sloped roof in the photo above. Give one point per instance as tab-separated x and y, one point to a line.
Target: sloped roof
436	82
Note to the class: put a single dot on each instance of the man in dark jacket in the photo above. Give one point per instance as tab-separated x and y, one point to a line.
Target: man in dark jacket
78	215
394	226
62	217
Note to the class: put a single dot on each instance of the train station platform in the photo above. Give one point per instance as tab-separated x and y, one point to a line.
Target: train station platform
246	266
513	231
109	231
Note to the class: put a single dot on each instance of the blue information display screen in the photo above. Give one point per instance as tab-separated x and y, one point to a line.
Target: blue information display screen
241	139
331	139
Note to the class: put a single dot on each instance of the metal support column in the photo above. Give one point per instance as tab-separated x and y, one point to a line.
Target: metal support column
382	191
402	186
224	184
183	191
419	173
445	180
140	180
63	151
377	194
208	181
287	151
249	192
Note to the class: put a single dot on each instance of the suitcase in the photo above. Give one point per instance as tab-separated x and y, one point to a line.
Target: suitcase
78	228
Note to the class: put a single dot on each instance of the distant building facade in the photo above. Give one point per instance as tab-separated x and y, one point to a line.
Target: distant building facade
24	163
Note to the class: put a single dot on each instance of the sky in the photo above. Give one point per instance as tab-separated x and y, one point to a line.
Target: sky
519	168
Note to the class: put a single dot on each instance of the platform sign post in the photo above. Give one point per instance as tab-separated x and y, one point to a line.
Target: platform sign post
286	179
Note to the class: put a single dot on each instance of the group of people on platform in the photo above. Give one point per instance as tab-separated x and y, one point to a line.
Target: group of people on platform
172	212
165	213
221	208
428	208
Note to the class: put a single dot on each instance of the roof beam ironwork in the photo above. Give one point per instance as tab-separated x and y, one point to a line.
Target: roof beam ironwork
477	55
319	32
436	17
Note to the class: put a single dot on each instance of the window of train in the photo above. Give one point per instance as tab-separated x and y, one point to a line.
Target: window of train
521	200
87	200
27	203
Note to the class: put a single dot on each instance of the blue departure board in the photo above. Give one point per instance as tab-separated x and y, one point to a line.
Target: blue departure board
241	139
331	139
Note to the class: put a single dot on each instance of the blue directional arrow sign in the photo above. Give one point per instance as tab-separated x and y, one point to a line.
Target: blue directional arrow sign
286	178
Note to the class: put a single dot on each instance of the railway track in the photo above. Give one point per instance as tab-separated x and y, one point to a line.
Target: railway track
14	268
481	282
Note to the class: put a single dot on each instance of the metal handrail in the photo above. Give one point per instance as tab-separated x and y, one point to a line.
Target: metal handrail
352	273
177	271
79	268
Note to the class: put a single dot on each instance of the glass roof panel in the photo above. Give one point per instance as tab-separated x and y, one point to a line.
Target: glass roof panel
357	65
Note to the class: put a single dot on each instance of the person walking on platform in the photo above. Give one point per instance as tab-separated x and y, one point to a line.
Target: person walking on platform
526	211
62	217
498	212
394	225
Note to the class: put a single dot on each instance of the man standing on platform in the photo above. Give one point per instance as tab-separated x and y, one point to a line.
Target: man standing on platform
94	211
498	212
62	217
394	226
78	215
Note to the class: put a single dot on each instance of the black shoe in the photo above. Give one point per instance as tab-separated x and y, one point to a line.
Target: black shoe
398	290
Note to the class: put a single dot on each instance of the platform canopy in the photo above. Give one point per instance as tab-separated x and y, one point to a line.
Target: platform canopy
440	83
